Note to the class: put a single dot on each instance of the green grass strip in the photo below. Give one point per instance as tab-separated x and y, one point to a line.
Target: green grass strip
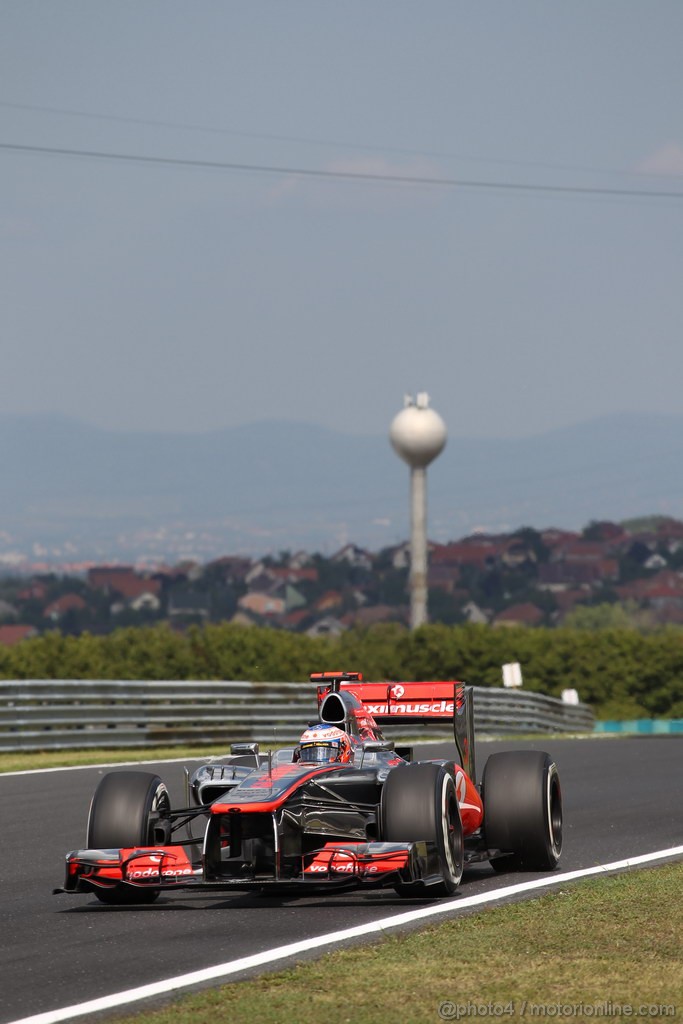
24	761
584	952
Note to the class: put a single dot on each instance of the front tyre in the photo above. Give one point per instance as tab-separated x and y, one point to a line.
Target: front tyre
523	810
124	810
419	803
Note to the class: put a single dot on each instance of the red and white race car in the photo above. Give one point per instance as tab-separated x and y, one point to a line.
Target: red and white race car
342	809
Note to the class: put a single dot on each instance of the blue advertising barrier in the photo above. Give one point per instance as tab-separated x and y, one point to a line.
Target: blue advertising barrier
644	726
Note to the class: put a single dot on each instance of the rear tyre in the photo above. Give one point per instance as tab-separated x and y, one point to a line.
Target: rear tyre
123	812
419	803
523	810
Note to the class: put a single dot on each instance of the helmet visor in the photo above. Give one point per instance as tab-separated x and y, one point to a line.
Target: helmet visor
319	752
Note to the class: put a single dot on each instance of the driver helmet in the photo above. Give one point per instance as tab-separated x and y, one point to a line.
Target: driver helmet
322	743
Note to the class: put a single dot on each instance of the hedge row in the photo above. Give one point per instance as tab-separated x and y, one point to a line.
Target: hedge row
621	673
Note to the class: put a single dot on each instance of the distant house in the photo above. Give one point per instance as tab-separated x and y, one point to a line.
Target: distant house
7	611
242	618
553	538
664	597
563	575
122	581
260	577
670	530
584	551
517	552
145	602
231	568
327	626
168	576
567	600
330	599
290	574
300	559
105	577
35	591
473	613
443	577
14	634
262	604
605	530
188	604
354	556
665	587
294	620
57	609
293	598
482	553
400	556
526	614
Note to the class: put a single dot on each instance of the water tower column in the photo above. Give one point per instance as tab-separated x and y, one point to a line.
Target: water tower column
418	547
418	435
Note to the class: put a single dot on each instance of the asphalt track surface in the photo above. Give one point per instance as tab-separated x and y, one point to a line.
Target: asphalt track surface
622	798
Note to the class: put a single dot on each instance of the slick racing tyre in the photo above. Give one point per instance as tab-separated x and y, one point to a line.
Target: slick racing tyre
419	803
123	812
522	810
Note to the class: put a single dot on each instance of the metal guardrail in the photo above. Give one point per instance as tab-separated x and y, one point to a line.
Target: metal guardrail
79	714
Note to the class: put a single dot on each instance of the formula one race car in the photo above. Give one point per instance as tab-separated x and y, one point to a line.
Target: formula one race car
341	810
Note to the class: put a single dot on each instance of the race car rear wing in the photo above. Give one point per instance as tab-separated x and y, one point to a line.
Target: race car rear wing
412	703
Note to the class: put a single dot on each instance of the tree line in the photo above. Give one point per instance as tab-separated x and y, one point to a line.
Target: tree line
621	673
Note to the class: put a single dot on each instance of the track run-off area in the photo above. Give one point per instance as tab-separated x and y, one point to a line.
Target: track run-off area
67	956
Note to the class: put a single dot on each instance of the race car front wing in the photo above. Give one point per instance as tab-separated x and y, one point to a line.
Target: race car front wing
340	865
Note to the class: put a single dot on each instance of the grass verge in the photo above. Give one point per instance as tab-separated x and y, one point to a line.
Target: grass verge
21	761
604	944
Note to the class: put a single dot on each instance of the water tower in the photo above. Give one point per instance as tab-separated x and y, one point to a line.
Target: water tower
418	435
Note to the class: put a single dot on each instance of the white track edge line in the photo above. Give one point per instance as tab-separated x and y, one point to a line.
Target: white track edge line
112	764
292	949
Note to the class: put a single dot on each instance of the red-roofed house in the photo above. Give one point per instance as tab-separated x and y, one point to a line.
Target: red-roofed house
481	553
443	577
665	589
580	551
553	538
124	582
35	591
262	604
105	577
519	615
285	574
11	635
330	599
66	603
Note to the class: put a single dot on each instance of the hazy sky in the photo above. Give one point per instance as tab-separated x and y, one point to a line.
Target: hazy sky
172	297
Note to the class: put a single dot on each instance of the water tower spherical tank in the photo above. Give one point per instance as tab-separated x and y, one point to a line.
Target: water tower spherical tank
418	435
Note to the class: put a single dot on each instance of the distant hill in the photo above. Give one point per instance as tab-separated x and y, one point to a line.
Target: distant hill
274	485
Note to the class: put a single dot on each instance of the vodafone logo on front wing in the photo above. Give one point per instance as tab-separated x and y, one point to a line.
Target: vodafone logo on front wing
153	872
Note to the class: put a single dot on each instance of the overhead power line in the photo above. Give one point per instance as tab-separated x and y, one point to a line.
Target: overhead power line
365	176
308	141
